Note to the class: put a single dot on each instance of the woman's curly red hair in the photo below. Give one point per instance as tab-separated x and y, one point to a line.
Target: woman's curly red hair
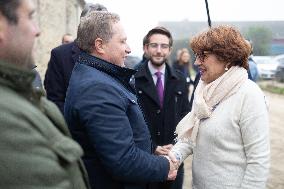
226	42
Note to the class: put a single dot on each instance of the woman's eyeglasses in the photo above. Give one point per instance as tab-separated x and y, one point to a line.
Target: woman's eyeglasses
202	56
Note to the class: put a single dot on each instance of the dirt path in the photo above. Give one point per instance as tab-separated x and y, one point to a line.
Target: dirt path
276	113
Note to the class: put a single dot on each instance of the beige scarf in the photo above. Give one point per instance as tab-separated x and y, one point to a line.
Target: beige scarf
207	97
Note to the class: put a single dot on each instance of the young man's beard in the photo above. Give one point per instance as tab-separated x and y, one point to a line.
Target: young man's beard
157	64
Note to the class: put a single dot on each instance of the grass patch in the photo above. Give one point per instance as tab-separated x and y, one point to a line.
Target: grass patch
272	88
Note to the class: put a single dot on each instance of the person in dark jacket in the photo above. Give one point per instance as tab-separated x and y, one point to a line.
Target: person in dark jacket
61	63
67	38
102	112
161	115
37	83
183	64
37	151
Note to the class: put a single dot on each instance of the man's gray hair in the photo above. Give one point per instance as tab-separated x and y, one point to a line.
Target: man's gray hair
89	7
93	26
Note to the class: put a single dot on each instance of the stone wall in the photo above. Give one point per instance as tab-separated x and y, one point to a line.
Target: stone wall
54	18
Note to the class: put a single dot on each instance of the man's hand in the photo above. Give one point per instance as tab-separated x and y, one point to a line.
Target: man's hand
163	150
168	147
174	160
172	175
173	171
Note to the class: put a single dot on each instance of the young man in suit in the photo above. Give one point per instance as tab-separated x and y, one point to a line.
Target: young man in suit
162	95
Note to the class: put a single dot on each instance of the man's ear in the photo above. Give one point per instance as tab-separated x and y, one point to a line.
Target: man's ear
99	46
171	48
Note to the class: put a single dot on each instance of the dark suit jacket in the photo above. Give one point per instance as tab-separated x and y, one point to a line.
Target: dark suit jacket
162	122
58	73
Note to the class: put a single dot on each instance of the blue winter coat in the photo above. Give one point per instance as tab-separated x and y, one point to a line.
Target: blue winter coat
105	119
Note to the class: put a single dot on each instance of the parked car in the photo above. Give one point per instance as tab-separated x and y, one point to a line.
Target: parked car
279	75
266	66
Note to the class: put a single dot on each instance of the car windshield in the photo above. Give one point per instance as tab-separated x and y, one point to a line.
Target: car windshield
281	60
262	60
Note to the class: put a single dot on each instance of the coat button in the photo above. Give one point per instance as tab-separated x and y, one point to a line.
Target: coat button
158	133
175	135
139	92
158	111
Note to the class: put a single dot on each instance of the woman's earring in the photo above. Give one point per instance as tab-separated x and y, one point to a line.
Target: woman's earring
226	68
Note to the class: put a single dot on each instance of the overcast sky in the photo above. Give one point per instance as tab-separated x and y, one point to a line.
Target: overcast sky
139	16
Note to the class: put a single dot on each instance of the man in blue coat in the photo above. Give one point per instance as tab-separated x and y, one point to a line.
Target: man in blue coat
61	63
102	112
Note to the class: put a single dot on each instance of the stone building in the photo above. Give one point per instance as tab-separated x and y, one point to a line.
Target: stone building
54	18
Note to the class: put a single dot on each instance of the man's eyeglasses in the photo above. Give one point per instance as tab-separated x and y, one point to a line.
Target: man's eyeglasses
202	56
156	45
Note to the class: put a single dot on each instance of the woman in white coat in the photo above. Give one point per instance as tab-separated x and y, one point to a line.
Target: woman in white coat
227	130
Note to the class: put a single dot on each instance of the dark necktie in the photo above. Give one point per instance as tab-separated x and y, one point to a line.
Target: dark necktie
160	88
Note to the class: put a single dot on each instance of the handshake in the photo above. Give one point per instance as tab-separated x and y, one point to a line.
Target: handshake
174	162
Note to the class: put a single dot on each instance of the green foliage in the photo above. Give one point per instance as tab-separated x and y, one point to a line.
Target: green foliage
272	88
261	39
